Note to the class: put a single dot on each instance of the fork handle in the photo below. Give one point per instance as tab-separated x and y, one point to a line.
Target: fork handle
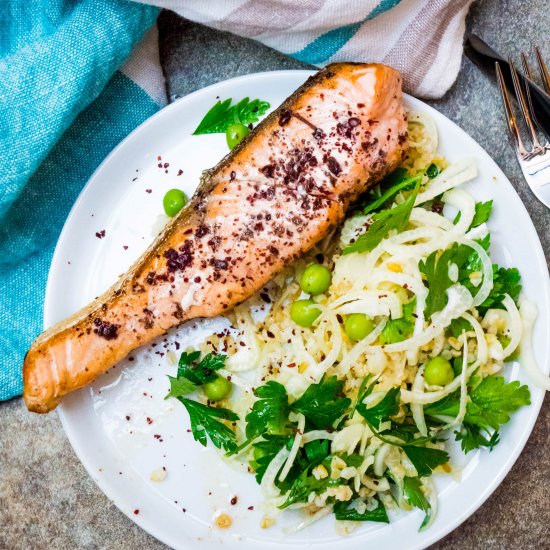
484	57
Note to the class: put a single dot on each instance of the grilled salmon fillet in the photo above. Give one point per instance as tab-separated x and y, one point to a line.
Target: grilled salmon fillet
280	191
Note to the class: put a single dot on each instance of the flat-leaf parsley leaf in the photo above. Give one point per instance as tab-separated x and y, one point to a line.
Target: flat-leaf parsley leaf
322	403
384	222
269	412
203	423
222	115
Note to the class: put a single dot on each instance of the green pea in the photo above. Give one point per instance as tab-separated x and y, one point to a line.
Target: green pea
315	279
218	389
438	372
357	326
304	312
235	134
174	201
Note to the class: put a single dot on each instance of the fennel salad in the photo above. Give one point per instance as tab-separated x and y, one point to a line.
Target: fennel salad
340	384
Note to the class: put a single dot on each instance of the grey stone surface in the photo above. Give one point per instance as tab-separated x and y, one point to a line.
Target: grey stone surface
47	500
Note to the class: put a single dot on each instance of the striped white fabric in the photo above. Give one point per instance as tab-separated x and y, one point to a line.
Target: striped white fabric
421	38
143	67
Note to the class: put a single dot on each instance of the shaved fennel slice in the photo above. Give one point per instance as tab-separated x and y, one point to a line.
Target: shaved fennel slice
452	176
482	349
487	267
465	204
478	232
268	487
463	383
299	349
431	494
295	445
463	387
431	238
310	519
316	371
417	409
373	304
529	363
430	138
314	435
248	356
514	326
380	459
420	216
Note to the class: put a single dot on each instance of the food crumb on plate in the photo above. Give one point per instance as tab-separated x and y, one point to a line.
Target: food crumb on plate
158	475
223	520
267	522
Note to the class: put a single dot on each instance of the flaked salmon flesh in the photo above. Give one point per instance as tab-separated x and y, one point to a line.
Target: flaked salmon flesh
279	192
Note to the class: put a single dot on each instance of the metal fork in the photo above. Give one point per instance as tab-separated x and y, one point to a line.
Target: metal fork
534	161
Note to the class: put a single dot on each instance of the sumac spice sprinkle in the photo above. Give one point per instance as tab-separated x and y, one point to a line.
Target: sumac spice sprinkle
334	166
178	261
318	133
202	230
106	330
268	170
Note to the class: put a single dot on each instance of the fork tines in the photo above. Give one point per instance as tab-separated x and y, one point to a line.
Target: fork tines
525	105
535	159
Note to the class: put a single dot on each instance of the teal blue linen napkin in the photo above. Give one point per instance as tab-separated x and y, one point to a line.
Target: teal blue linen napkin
63	107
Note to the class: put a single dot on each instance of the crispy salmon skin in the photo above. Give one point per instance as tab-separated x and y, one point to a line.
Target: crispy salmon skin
280	191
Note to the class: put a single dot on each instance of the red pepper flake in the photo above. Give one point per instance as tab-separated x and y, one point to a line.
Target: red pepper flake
291	365
125	246
127	417
148	190
149	420
157	436
233	501
136	512
159	158
180	172
250	508
100	234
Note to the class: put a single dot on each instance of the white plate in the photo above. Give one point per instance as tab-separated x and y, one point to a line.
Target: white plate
120	454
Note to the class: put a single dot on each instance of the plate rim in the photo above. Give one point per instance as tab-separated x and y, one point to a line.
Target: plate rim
148	524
